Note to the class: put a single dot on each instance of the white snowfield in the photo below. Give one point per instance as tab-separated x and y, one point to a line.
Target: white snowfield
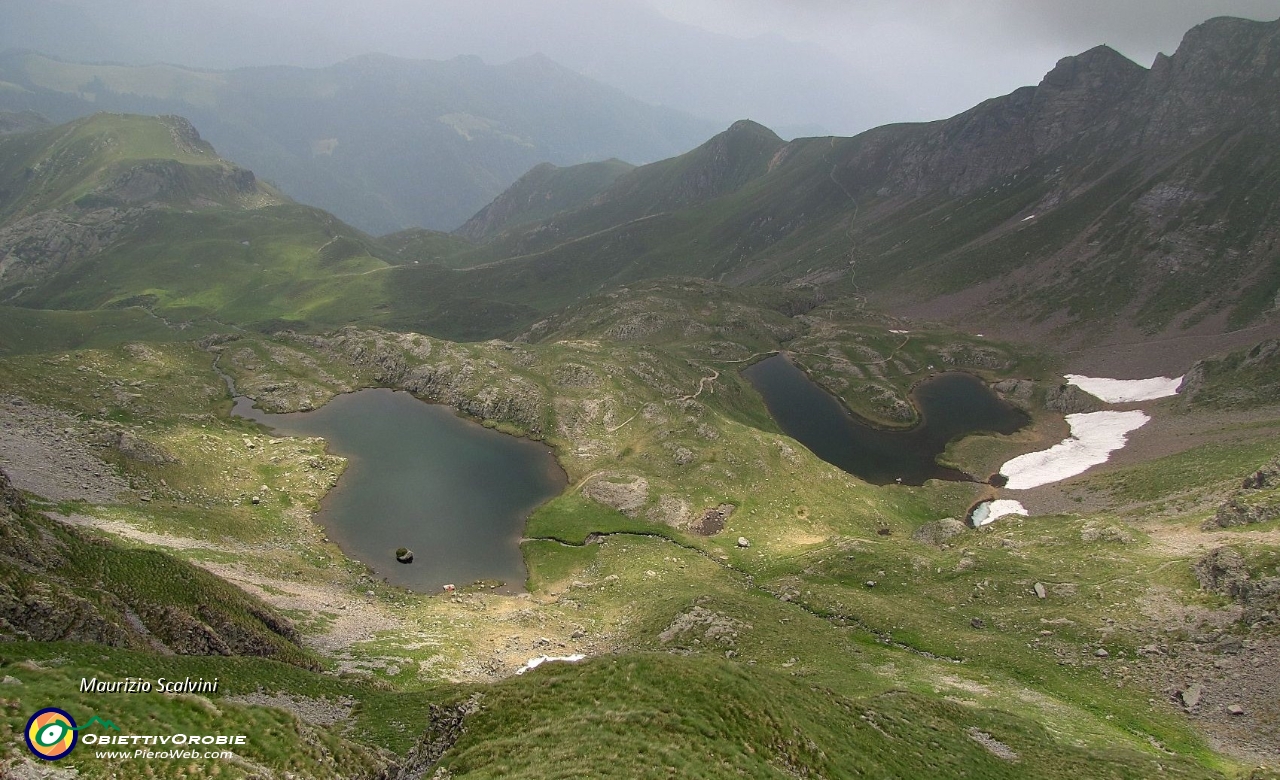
534	663
988	512
1120	391
1094	437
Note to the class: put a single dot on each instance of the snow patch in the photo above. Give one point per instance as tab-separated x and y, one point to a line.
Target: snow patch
900	332
1119	391
1094	437
1028	219
988	512
534	663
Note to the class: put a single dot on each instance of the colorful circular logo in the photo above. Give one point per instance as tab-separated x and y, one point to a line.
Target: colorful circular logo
51	734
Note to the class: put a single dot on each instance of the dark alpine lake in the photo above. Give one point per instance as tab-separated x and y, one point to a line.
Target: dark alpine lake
419	476
951	405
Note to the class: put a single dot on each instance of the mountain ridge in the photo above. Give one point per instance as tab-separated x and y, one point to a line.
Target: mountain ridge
1107	197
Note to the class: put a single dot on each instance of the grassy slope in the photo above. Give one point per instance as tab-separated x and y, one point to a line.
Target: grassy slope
56	166
797	593
288	262
542	193
718	719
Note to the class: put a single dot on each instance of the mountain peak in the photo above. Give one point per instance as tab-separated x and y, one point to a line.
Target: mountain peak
1098	67
748	127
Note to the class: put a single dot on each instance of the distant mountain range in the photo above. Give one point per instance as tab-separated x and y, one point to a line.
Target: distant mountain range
381	142
1108	196
1109	201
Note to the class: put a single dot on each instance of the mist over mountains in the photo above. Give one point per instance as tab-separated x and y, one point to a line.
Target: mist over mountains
385	143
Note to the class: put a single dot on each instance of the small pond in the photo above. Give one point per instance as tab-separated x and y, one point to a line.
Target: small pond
419	476
951	405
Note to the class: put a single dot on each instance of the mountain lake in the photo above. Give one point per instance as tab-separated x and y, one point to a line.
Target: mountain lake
419	476
951	405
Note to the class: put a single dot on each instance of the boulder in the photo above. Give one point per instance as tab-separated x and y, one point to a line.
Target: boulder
938	532
404	555
1069	399
1223	571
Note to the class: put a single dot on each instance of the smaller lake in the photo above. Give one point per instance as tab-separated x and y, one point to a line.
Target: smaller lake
419	476
951	405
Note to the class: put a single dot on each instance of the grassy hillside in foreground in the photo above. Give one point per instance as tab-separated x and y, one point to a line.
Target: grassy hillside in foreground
658	715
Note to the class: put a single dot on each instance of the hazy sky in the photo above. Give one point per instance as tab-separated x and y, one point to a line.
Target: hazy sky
804	65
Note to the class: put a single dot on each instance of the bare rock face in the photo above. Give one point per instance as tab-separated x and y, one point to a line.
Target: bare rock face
445	725
1016	391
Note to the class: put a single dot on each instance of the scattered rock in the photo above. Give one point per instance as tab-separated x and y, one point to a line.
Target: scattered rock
1257	500
672	511
1222	570
743	542
978	623
1040	590
713	520
1235	709
1101	653
625	496
994	746
704	625
1110	533
136	448
939	531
